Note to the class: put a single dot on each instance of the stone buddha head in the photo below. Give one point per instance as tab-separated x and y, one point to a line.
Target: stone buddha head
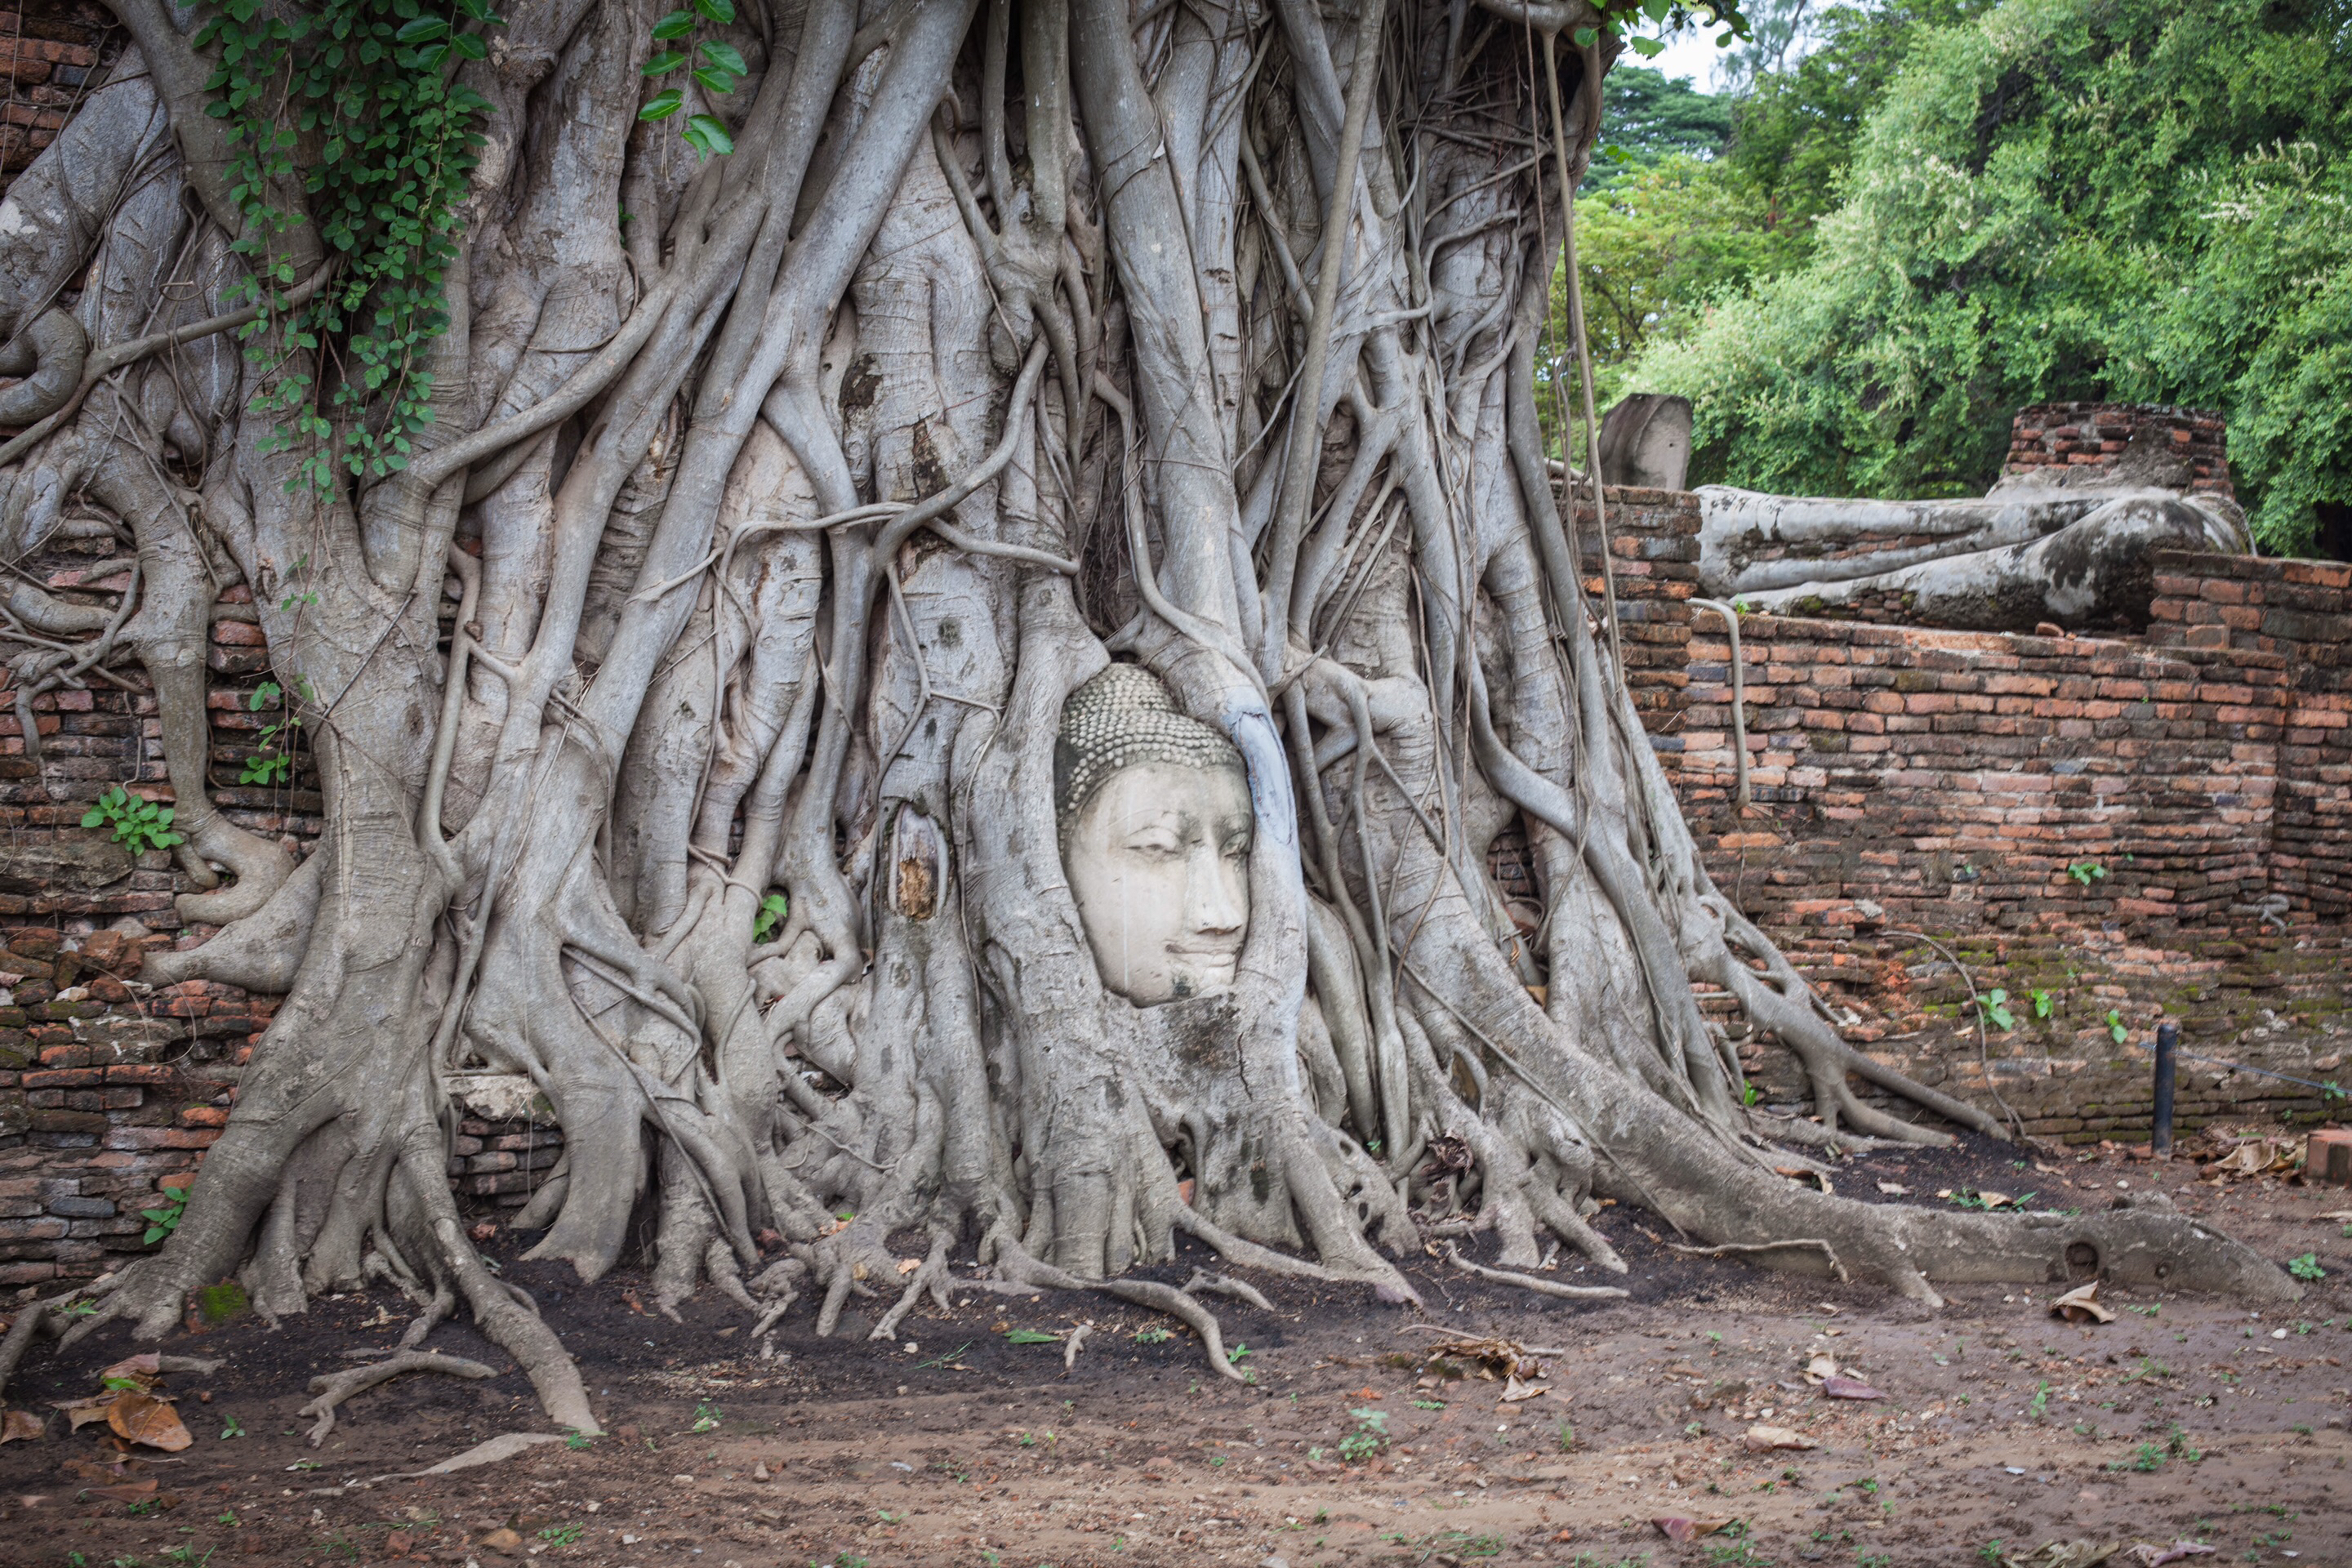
1154	812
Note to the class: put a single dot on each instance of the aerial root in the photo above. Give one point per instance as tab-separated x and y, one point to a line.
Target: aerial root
1529	1282
335	1387
1753	1248
1021	1270
932	1275
31	1319
1227	1285
444	1302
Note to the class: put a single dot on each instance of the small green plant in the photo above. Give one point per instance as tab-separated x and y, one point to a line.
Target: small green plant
706	1417
139	825
1567	1439
1370	1435
228	1517
2042	1003
1240	1353
2306	1267
1029	1337
772	910
2115	1030
274	764
1152	1334
162	1222
2086	872
1750	1095
2040	1405
561	1534
1429	1404
577	1440
1994	1004
231	1427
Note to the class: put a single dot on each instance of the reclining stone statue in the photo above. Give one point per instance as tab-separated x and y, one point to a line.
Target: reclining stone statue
2070	545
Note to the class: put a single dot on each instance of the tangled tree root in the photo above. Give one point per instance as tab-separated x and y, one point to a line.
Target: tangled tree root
335	1388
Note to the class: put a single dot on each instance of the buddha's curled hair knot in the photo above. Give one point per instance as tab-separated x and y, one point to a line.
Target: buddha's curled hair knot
1122	719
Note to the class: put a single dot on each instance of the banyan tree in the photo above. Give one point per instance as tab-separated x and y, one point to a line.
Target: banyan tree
920	610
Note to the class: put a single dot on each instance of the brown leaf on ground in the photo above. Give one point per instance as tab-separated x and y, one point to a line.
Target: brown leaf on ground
82	1412
397	1543
1894	1189
1678	1529
2082	1305
143	1418
504	1541
1849	1388
1515	1391
90	1470
1763	1439
145	1369
2147	1554
1821	1369
22	1426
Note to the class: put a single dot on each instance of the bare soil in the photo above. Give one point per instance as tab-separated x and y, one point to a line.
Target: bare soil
2186	1417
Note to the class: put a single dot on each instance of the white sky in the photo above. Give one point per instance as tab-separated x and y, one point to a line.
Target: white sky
1692	55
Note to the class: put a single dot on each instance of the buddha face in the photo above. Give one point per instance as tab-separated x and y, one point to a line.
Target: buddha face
1159	862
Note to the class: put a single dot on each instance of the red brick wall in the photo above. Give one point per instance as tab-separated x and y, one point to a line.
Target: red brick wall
2301	612
2094	434
51	51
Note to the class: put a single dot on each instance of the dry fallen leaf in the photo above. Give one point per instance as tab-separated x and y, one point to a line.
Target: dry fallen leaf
2082	1305
502	1541
1819	1368
81	1413
1849	1388
908	1265
1513	1390
143	1418
22	1426
1688	1529
2150	1555
1764	1438
1995	1200
1894	1189
145	1368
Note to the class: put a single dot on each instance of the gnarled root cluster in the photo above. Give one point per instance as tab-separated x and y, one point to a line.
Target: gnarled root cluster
685	710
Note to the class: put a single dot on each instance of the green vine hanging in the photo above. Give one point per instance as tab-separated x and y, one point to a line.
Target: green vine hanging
357	100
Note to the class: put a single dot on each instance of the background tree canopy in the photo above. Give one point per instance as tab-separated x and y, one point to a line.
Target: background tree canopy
1950	209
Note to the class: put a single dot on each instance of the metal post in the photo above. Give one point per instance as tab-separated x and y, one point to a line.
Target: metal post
2167	1041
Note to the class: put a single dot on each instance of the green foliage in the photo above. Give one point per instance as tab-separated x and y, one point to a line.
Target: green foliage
162	1222
274	764
1994	1006
350	131
139	825
2117	1030
706	1416
772	910
2045	199
719	69
2086	872
2307	1267
1651	118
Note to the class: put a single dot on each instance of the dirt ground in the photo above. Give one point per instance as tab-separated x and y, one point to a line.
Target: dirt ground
2001	1430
